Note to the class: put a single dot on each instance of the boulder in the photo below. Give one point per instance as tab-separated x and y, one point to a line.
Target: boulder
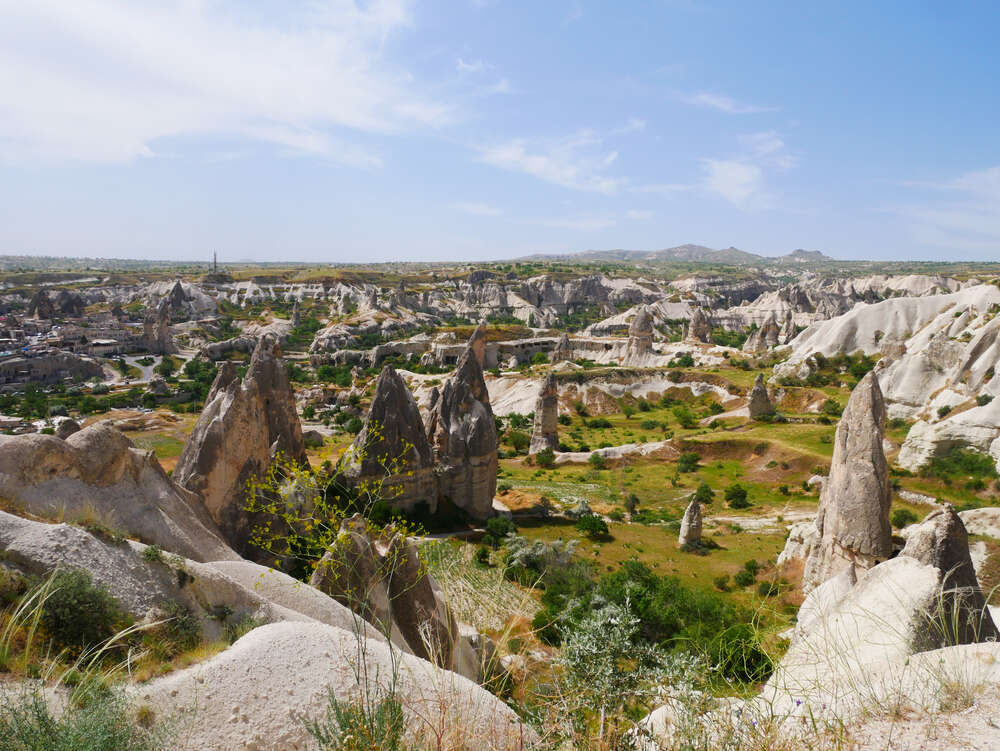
982	521
391	455
852	522
66	428
942	541
258	693
380	577
691	524
545	431
802	537
243	427
464	436
759	403
97	473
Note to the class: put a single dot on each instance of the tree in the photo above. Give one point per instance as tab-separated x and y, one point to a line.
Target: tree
736	496
546	458
704	494
688	462
593	527
685	417
520	441
631	503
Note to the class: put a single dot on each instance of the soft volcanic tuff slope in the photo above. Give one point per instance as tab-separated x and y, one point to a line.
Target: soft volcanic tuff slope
99	471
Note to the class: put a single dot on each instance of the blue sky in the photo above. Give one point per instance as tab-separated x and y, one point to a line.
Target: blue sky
338	131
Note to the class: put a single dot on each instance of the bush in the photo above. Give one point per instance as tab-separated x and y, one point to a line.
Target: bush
902	517
597	461
592	526
599	422
497	529
360	725
960	461
236	630
943	410
95	718
685	417
832	408
721	583
744	579
688	462
520	441
565	420
704	494
546	458
79	614
768	589
736	496
983	399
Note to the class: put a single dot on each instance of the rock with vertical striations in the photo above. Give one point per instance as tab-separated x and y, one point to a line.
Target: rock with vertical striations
563	350
156	329
640	333
699	327
787	330
691	525
463	434
853	518
759	403
391	452
545	432
244	425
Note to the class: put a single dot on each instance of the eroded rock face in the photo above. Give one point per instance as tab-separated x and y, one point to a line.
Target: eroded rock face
98	471
379	576
156	329
699	328
391	453
691	524
759	403
640	333
243	426
563	351
464	436
545	432
853	517
764	338
942	541
67	428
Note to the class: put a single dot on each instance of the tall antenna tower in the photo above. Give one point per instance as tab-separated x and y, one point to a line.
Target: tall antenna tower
215	262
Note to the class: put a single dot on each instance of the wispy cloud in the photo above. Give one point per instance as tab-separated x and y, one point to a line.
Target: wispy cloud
577	162
477	209
474	66
724	103
963	212
741	179
115	77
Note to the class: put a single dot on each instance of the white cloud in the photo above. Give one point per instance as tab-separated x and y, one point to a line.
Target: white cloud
477	209
577	162
734	180
476	66
964	213
725	104
114	76
741	179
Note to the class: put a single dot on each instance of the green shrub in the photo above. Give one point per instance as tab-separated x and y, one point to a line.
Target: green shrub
685	417
736	496
943	410
592	526
565	420
546	458
362	724
79	614
768	589
599	423
704	494
983	399
688	462
497	529
95	719
721	583
152	553
959	461
597	461
235	630
902	517
744	578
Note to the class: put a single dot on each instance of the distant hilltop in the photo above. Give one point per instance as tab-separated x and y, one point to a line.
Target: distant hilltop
690	253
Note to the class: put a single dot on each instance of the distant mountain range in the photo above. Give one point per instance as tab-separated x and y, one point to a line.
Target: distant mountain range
690	253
